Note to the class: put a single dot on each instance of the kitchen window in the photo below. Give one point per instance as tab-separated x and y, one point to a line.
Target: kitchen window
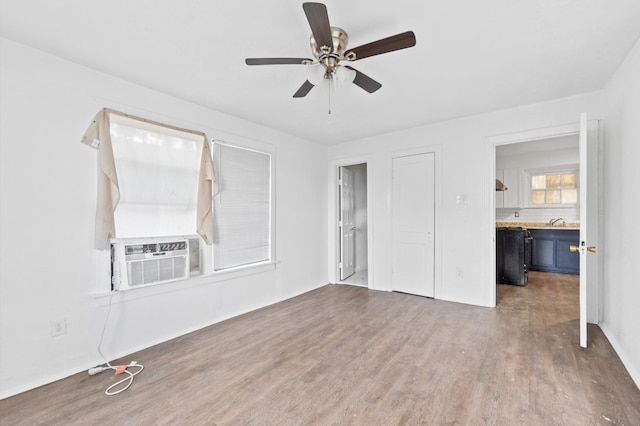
553	188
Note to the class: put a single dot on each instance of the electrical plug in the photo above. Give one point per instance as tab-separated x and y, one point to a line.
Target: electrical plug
95	370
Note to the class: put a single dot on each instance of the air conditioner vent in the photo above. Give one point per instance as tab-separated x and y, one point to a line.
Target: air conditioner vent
143	263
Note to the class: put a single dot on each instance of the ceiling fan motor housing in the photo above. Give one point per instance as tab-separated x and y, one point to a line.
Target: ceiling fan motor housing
330	56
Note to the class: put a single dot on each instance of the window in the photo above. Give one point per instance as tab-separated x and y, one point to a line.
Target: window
153	179
555	188
242	207
158	178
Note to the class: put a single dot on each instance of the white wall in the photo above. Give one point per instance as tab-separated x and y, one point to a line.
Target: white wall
619	245
464	166
48	268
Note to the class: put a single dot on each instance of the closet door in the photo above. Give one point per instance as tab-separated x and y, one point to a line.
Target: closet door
413	221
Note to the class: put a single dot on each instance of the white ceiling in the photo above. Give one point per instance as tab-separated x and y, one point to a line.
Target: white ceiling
471	56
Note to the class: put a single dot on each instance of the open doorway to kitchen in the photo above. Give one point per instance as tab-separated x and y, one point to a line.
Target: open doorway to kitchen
536	210
537	218
551	189
352	225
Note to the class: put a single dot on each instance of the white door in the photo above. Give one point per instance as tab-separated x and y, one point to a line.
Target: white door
413	221
346	224
588	223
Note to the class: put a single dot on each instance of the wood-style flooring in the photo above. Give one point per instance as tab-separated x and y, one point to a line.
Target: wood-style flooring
347	355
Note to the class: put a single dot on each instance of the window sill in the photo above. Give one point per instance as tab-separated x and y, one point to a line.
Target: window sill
196	280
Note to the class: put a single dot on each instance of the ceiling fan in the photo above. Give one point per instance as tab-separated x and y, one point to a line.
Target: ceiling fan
329	47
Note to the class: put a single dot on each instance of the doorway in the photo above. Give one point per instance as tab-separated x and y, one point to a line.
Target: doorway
539	195
588	184
352	250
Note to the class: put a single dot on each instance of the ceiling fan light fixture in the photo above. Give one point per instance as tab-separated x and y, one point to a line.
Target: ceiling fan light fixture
345	75
315	74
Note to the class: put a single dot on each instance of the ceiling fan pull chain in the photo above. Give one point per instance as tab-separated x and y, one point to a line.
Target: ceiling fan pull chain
329	112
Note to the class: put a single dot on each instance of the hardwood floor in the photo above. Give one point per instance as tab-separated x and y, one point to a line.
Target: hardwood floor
347	355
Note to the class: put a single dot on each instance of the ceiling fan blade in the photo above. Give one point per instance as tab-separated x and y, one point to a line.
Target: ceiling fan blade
389	44
276	61
303	90
364	81
319	22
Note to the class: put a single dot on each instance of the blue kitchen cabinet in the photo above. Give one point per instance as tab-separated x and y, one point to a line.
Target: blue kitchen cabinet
550	250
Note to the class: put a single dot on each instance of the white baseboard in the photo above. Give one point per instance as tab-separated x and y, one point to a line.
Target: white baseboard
634	370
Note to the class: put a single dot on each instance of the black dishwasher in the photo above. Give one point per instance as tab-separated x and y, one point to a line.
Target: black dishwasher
513	255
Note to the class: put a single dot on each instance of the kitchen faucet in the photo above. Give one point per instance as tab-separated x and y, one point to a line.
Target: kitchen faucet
554	221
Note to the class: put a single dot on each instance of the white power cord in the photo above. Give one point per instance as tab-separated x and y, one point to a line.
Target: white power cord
119	369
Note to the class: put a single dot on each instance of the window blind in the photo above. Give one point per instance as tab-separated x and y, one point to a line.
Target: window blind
242	206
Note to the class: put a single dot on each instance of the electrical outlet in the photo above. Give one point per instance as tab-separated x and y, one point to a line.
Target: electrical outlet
58	327
459	272
517	214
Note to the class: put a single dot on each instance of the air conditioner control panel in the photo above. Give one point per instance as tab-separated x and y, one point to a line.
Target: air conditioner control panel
150	248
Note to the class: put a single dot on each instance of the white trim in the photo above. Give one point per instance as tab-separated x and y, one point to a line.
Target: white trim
535	134
197	280
490	251
261	148
627	360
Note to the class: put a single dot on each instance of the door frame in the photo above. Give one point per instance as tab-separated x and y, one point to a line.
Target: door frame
334	229
594	307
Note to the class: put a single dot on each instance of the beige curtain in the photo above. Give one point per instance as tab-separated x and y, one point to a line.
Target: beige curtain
97	136
207	189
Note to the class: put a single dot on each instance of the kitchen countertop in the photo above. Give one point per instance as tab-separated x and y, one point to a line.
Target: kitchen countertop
538	225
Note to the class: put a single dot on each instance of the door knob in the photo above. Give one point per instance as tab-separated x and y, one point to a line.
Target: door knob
574	249
353	228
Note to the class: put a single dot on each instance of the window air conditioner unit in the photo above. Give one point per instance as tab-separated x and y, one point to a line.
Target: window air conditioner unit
142	263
